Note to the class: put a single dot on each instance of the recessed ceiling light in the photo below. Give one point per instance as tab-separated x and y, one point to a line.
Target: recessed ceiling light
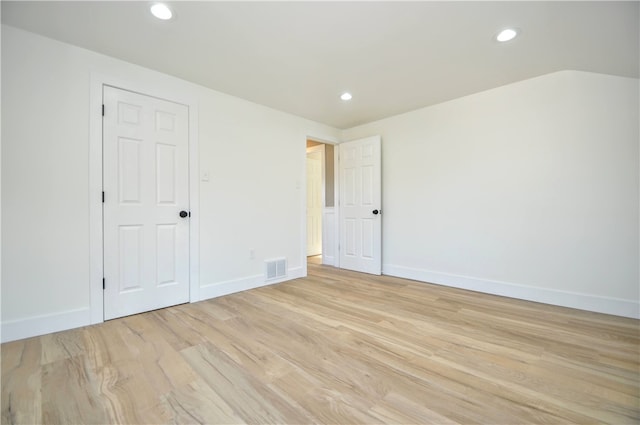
506	35
161	11
346	96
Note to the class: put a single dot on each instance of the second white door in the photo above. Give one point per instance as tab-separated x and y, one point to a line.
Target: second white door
146	203
360	202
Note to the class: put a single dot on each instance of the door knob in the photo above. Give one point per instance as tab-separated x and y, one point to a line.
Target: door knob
183	214
375	212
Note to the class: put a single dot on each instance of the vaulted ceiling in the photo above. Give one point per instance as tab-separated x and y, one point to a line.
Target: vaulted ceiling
393	57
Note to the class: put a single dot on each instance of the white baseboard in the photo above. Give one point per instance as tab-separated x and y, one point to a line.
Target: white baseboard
45	324
219	289
596	303
328	260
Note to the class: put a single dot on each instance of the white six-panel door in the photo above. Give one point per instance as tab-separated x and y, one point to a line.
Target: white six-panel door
145	181
360	202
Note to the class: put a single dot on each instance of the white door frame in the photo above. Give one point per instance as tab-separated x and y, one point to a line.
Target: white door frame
96	253
336	185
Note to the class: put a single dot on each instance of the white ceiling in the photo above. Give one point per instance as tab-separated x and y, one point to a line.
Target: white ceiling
394	57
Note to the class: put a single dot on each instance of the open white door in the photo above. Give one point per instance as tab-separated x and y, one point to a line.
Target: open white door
146	203
360	202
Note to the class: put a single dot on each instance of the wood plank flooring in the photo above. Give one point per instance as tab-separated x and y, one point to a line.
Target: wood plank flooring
336	347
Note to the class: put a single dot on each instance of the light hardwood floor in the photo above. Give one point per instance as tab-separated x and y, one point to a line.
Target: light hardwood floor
336	347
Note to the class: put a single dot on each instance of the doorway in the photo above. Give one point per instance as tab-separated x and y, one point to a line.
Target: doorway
315	199
320	203
351	219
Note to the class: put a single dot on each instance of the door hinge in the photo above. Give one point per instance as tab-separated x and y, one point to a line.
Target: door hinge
103	283
103	109
103	196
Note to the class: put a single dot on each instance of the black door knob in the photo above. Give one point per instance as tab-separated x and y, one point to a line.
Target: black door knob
375	212
183	214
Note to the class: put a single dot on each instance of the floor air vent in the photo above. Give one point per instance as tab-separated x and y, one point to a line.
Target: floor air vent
276	269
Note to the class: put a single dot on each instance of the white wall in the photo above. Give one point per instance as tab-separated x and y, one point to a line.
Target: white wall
529	190
254	199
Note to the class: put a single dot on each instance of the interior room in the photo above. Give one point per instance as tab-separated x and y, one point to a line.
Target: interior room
320	212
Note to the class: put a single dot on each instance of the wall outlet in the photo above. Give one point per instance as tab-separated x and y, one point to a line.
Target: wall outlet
252	254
